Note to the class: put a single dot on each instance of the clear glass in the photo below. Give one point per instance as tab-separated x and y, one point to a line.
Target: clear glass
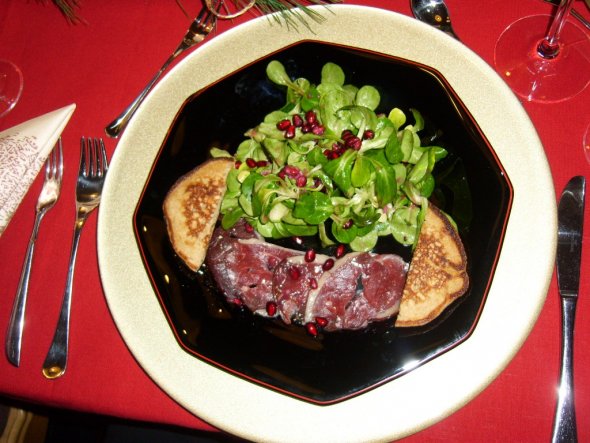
545	58
11	86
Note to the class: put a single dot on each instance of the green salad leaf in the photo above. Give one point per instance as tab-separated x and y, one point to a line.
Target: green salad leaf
330	163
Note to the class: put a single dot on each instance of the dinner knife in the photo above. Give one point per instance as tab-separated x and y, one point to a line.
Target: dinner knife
570	225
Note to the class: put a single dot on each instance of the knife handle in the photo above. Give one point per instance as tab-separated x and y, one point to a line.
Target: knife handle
564	425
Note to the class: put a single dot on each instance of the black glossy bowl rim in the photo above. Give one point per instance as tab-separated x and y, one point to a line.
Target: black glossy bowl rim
508	205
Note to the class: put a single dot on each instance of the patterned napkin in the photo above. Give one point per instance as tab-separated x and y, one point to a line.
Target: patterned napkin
23	150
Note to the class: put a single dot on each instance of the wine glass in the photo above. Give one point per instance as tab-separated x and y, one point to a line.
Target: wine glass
543	58
11	86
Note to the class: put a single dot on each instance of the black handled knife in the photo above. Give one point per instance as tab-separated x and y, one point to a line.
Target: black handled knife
570	223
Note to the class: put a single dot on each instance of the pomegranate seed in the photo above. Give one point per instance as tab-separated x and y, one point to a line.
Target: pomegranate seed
290	132
346	134
251	162
271	308
294	273
311	117
301	181
311	329
321	322
238	164
306	128
339	251
313	283
353	142
292	171
297	121
309	255
282	174
368	134
249	227
328	264
348	224
318	130
237	302
283	124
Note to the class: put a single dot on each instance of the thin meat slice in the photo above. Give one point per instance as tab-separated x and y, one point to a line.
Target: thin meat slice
384	283
293	280
360	288
242	265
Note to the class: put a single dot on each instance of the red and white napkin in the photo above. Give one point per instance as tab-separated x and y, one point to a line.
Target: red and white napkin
23	150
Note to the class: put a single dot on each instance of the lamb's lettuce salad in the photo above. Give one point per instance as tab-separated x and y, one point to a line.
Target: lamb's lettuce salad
329	164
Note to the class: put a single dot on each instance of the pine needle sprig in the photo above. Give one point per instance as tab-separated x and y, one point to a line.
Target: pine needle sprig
290	12
69	9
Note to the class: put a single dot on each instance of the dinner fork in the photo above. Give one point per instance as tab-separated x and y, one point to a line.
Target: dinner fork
47	198
91	176
200	28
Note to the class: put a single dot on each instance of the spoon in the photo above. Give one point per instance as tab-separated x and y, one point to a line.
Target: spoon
434	13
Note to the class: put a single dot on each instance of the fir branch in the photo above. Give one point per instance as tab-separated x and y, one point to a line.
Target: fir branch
290	12
69	9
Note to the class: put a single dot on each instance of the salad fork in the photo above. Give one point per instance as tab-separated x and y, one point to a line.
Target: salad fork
91	176
47	198
200	28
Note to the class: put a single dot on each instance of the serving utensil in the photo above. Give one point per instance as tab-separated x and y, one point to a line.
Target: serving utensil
434	13
569	254
47	198
91	176
202	25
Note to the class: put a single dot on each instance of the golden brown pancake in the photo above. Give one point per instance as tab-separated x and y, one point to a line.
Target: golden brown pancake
437	274
191	209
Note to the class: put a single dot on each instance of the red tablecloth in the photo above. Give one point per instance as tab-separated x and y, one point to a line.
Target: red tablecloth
100	66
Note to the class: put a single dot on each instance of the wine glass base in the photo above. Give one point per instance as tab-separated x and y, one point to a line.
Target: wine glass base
535	78
11	86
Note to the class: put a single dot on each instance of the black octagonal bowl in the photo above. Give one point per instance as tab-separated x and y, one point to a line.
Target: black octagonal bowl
471	186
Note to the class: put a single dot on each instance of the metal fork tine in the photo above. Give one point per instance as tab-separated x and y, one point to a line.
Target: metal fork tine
60	167
203	15
212	18
83	156
91	157
51	163
103	158
48	166
95	158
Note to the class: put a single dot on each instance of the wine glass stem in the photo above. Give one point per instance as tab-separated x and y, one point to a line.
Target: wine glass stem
549	46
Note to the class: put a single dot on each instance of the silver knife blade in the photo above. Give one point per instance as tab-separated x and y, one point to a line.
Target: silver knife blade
569	237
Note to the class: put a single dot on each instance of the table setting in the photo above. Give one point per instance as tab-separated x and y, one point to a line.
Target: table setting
116	101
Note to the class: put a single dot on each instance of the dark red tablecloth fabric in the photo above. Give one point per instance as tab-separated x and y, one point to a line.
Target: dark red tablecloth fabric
101	65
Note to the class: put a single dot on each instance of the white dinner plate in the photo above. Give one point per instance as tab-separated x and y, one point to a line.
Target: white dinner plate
403	405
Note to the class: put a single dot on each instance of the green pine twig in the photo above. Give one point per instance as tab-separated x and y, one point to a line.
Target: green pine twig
291	12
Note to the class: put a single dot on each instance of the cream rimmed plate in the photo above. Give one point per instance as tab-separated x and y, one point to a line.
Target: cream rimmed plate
393	409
